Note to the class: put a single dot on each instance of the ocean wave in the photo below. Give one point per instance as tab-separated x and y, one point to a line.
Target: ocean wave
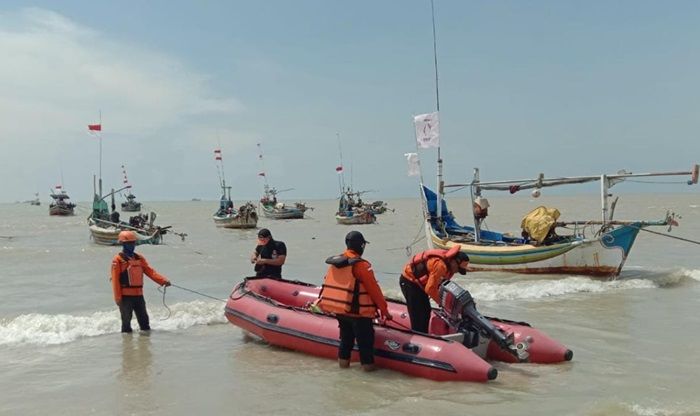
538	289
42	329
640	410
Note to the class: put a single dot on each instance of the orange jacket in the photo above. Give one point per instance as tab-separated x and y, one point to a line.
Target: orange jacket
437	273
135	268
362	271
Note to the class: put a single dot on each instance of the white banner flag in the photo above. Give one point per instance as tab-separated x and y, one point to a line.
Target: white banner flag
427	130
413	164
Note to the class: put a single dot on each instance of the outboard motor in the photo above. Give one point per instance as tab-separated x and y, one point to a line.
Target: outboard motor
460	309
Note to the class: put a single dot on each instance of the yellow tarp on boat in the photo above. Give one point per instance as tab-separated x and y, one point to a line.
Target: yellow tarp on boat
538	222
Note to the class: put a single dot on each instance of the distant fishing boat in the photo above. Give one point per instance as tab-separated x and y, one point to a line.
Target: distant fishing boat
105	226
276	210
227	216
270	206
130	205
61	204
36	200
352	213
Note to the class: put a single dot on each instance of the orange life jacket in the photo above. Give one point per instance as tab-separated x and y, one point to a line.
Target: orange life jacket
131	274
342	293
419	263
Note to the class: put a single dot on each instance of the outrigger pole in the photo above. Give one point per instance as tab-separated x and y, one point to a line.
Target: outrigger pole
607	181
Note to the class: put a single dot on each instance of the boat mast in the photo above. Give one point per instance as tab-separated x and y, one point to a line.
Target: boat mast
440	183
340	169
99	137
604	199
263	173
477	222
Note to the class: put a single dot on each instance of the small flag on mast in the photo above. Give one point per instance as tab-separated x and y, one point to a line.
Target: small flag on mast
217	154
126	181
95	127
427	130
413	164
339	169
261	174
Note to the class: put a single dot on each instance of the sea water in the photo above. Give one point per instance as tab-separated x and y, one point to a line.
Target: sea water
635	339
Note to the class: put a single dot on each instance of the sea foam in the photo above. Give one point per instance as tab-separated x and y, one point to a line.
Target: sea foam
43	329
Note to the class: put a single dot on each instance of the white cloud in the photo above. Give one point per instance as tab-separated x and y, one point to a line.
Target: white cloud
56	74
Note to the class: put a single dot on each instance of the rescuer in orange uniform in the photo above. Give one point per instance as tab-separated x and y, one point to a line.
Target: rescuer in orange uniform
350	291
128	269
422	277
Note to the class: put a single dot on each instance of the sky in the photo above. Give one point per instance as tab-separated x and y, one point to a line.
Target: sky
565	88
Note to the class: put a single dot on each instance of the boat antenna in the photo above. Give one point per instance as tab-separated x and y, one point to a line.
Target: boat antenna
220	167
99	138
440	184
339	169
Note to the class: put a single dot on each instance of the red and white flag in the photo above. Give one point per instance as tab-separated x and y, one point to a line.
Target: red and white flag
95	127
217	154
339	169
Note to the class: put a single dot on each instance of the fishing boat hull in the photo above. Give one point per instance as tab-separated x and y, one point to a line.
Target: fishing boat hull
277	311
61	210
286	213
363	218
236	221
604	256
108	236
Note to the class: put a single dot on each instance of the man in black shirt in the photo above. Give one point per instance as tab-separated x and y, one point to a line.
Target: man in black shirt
269	255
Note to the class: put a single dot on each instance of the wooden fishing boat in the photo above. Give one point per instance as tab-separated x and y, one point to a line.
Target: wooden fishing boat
130	205
355	217
460	345
270	206
350	212
546	245
107	233
273	209
36	200
105	226
61	204
227	216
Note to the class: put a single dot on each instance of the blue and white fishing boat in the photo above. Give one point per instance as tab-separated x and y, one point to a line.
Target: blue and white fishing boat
586	247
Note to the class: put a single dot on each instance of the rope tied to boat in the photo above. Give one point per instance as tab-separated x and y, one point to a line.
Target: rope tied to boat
667	235
163	290
417	239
